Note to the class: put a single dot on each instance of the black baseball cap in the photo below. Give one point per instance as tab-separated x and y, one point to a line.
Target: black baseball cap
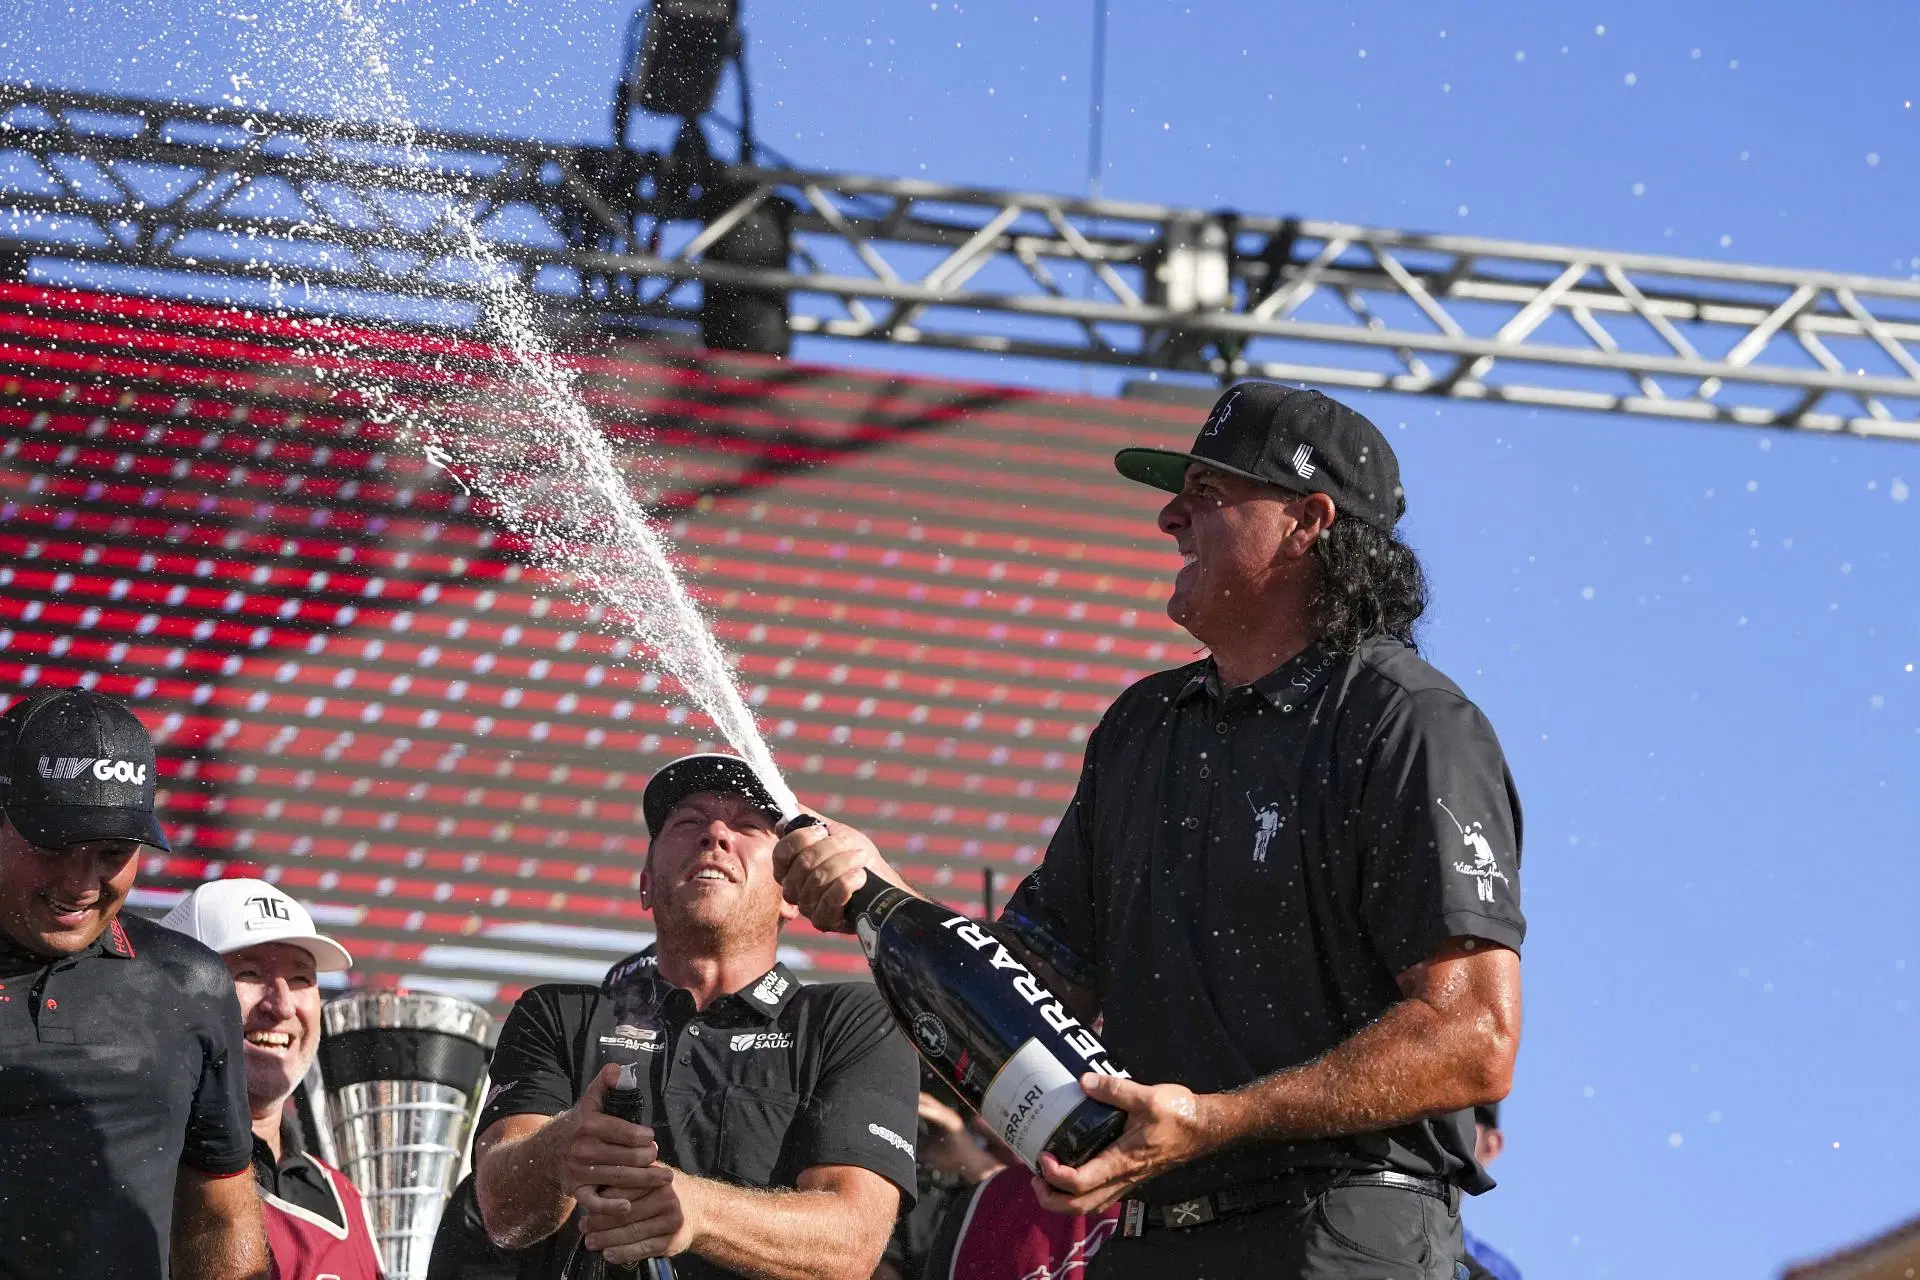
1297	439
77	766
708	771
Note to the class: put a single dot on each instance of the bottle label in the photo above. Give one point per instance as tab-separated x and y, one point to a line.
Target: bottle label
1028	1099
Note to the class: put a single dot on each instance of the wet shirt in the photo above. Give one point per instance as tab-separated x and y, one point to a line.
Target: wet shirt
1242	874
117	1066
759	1086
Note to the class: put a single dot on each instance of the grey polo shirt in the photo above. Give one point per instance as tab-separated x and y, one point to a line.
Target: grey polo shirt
1242	874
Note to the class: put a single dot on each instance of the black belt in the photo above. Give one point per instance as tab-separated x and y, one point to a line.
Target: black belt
1136	1216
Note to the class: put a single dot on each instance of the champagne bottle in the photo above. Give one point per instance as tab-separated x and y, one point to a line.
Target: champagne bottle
984	1023
623	1102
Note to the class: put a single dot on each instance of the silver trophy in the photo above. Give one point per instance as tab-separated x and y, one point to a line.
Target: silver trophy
403	1073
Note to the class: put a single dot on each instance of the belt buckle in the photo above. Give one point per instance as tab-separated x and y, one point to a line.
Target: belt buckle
1133	1219
1189	1213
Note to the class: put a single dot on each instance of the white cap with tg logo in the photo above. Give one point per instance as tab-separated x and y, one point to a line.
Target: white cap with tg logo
232	915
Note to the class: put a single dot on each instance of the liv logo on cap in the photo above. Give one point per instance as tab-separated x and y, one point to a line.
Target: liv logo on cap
77	767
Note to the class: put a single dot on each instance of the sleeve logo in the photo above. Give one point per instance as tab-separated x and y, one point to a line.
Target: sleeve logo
1484	868
887	1135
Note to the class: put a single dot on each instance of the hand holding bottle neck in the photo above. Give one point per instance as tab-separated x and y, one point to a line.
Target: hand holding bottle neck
871	885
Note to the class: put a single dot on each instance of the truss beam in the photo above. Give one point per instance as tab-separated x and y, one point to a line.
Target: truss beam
176	193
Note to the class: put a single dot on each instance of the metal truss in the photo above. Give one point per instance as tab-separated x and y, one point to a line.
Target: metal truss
328	213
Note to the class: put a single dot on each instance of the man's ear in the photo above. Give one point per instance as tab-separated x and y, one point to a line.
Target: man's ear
646	880
1315	516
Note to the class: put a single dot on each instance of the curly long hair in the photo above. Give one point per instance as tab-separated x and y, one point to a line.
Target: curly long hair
1371	584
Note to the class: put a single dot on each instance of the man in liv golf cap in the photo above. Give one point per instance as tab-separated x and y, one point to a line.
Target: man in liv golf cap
123	1120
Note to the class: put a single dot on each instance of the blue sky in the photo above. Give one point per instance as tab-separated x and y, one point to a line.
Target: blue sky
1698	643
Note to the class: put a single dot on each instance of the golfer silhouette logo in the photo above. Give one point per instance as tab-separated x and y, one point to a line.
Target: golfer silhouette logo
1484	868
1219	419
1266	824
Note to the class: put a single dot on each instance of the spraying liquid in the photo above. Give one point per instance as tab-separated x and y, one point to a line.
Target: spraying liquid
546	469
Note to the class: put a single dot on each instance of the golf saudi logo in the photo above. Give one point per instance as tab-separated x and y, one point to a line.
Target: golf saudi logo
1484	868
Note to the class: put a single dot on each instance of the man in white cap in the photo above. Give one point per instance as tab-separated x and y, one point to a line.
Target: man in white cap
316	1223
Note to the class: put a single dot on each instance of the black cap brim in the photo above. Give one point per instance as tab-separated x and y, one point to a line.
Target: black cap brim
709	771
1166	469
58	826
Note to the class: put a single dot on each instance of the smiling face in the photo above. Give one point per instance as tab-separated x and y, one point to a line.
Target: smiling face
710	870
1238	543
280	1013
56	902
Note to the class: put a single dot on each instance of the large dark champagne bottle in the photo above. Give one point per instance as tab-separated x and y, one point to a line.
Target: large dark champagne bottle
983	1022
622	1102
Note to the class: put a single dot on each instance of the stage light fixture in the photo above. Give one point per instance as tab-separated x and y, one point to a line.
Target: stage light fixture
685	46
753	320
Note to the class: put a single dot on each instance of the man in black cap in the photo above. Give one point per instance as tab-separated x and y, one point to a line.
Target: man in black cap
775	1136
124	1134
1288	881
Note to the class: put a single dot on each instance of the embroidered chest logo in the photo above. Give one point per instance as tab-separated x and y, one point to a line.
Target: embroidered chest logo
762	1040
1267	821
1484	868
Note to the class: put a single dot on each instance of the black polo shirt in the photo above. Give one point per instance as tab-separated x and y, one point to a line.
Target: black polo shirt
295	1178
762	1084
117	1065
1242	874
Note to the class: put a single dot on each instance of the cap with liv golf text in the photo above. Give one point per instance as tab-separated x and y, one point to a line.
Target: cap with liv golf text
76	766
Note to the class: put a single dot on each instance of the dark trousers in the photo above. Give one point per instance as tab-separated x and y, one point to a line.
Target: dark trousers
1345	1233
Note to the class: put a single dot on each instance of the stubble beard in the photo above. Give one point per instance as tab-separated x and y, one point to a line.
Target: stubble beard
746	924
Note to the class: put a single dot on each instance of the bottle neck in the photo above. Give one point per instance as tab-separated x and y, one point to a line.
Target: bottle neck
870	889
863	899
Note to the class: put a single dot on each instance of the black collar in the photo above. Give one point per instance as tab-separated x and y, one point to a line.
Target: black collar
637	979
113	941
1286	687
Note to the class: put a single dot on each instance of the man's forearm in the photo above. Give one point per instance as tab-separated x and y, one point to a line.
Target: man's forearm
518	1188
786	1235
217	1230
1412	1064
